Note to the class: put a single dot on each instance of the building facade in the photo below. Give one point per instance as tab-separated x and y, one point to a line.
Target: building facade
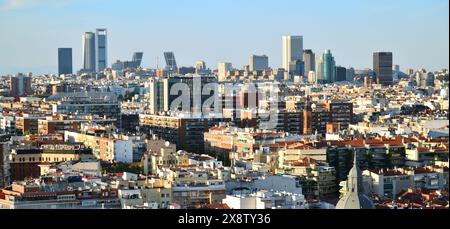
65	61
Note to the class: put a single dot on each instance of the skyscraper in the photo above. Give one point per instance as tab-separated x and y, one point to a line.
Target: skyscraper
137	58
349	74
293	54
159	95
309	60
223	70
65	61
326	72
258	63
89	52
340	73
171	63
101	49
382	66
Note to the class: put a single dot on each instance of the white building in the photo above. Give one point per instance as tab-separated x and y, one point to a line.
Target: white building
266	200
223	70
292	52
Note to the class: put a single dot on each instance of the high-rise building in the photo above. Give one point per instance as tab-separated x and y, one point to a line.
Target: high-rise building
349	74
382	66
20	85
319	70
293	54
424	78
309	60
195	84
321	117
101	50
326	68
89	52
65	61
161	99
223	70
171	63
341	73
137	58
159	95
258	63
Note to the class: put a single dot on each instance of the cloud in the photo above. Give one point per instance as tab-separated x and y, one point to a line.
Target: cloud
8	5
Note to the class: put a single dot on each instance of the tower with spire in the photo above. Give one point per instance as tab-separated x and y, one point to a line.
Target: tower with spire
355	198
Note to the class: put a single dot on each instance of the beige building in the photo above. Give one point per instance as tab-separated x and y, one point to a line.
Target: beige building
162	154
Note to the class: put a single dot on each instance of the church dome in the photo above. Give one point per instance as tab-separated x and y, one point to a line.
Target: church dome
355	198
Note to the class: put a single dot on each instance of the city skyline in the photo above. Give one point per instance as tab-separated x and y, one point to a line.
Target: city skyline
417	40
224	104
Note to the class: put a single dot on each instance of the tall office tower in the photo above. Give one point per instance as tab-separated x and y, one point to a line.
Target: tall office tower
20	85
101	50
349	74
341	73
195	84
223	70
382	66
293	54
137	58
309	60
258	63
319	70
89	52
327	68
171	63
65	61
424	78
158	95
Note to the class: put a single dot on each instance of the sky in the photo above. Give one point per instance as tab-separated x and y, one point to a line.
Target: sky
416	31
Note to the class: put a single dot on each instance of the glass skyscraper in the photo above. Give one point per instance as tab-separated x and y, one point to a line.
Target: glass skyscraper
309	59
382	66
327	68
65	61
101	49
89	52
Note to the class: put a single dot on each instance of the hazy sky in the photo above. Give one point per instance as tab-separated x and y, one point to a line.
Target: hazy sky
416	31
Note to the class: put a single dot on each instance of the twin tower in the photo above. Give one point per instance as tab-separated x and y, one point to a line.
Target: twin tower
95	51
